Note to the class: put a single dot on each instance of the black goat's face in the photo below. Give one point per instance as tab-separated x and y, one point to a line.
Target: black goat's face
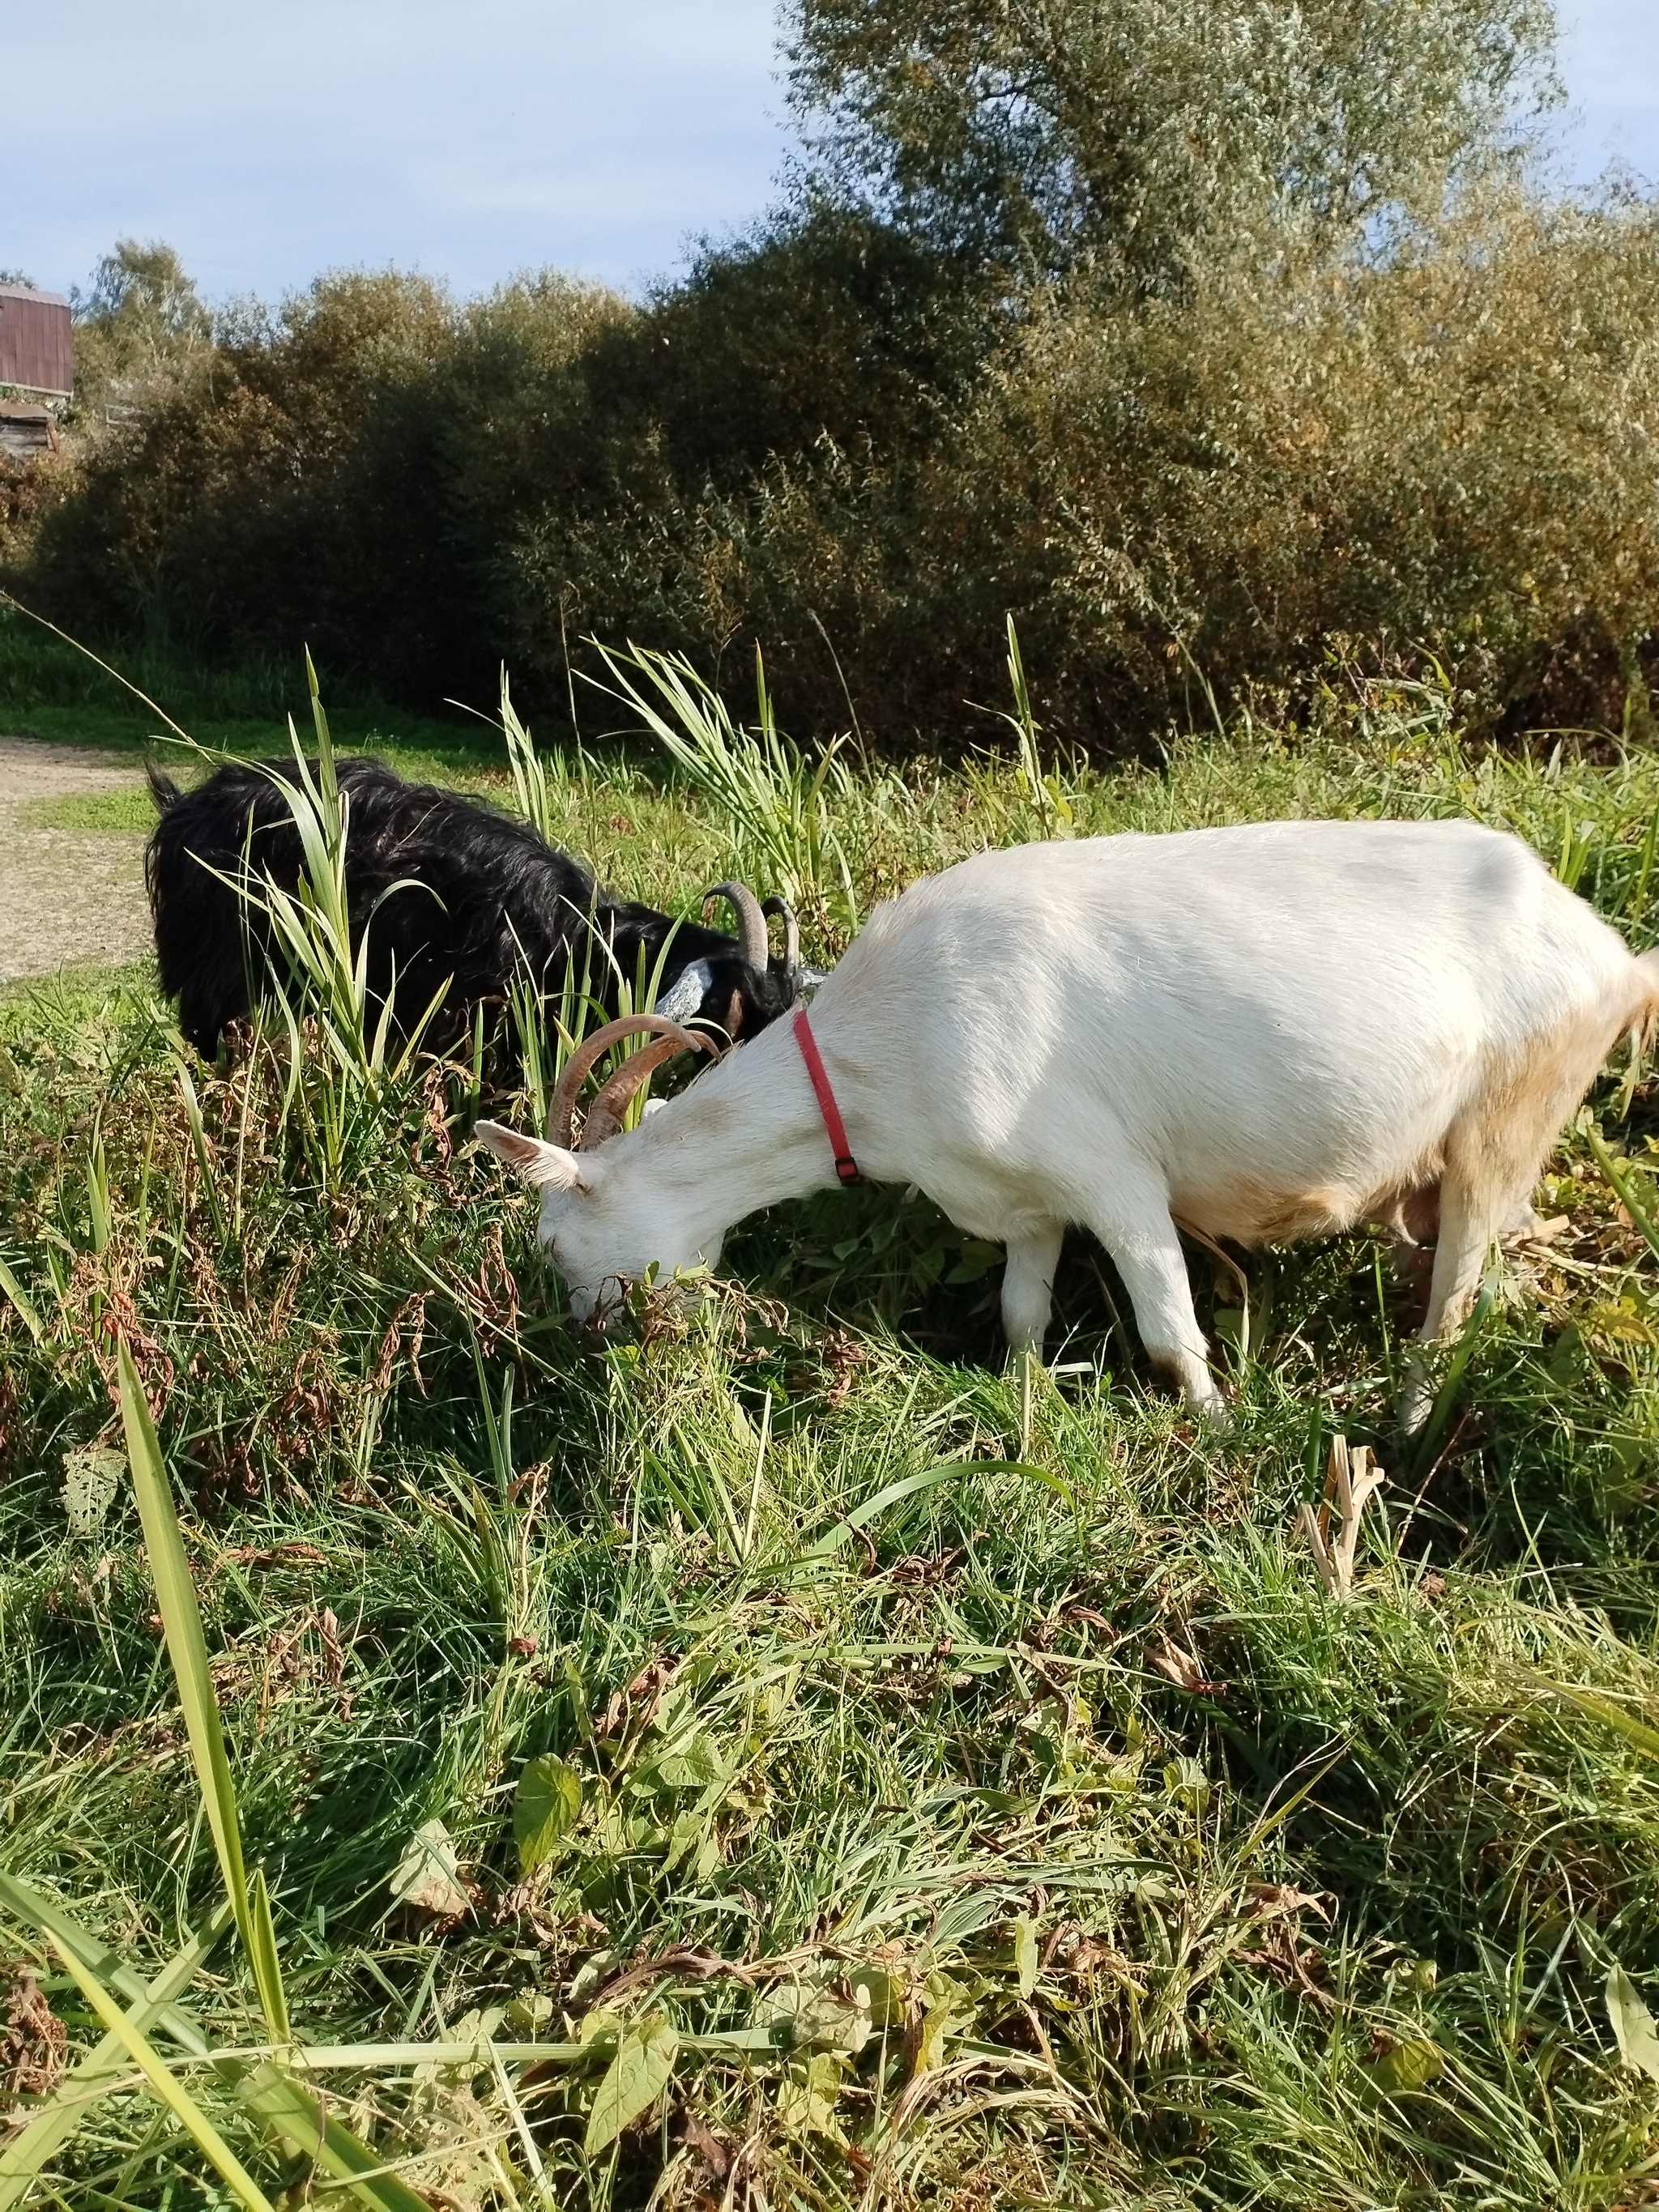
724	992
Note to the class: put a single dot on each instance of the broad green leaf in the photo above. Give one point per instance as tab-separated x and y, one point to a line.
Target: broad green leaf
809	2019
600	2020
808	2095
529	2012
181	1621
172	2094
947	2015
427	1875
691	1764
882	1997
1632	2025
686	1836
641	2069
545	1809
930	2044
1410	2065
1026	1959
576	1699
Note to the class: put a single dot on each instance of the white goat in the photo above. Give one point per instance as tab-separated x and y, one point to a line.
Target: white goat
1264	1033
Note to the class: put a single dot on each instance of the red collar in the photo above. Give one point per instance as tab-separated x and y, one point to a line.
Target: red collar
846	1166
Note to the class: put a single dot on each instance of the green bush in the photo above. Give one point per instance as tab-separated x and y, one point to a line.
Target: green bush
1383	390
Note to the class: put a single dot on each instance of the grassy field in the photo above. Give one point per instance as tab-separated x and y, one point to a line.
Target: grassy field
785	1757
51	688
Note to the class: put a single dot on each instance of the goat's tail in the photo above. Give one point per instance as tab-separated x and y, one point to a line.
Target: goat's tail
162	788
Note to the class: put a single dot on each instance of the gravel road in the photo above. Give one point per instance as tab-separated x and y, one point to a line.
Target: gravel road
68	898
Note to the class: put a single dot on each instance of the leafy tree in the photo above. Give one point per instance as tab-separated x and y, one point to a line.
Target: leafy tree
1139	135
141	317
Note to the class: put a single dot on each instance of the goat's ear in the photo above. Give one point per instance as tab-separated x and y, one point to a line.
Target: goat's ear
537	1163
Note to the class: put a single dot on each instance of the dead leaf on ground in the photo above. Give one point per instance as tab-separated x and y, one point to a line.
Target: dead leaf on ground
427	1876
1632	2025
1264	1899
1282	1958
698	2137
32	2047
1183	1667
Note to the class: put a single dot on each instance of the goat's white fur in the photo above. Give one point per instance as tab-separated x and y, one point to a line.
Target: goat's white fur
1266	1032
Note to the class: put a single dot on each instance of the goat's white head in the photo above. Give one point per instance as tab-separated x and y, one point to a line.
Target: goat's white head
591	1225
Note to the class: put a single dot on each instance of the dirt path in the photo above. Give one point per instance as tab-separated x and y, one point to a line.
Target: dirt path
67	896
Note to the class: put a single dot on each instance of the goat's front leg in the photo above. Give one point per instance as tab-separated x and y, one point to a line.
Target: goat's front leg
1133	1224
1028	1283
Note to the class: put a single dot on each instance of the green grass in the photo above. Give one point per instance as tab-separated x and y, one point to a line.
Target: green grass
49	690
804	1758
108	813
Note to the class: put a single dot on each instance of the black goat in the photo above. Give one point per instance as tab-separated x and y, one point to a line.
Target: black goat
484	903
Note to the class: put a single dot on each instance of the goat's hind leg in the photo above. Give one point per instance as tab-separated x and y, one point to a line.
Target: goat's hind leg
1494	1160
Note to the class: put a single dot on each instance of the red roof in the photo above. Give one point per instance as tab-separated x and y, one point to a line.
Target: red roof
37	341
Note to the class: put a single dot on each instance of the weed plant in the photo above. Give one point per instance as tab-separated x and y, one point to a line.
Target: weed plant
783	1756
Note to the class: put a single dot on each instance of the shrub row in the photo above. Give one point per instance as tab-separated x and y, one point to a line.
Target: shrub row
841	442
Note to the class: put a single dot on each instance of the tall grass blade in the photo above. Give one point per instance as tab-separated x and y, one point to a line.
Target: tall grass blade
199	1141
181	1622
1052	806
26	1313
37	1913
98	1209
1595	1707
1636	904
267	1966
929	1479
180	737
757	779
326	774
273	2098
1462	1352
302	2117
1623	1186
22	2156
529	772
172	2094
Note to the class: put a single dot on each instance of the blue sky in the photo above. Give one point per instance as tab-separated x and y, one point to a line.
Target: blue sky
1610	59
269	142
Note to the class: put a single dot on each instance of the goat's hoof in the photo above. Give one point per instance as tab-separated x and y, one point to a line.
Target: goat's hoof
1214	1410
1417	1397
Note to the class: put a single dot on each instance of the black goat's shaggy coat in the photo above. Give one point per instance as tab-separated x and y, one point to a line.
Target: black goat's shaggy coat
487	902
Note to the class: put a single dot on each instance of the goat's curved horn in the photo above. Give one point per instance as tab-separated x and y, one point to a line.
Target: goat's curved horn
752	922
562	1118
791	930
611	1101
